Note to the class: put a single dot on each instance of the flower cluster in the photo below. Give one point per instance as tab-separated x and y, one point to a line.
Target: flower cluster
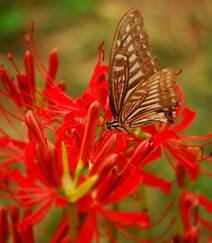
56	152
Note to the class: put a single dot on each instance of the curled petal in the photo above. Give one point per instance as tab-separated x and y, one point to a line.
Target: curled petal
62	229
107	149
188	201
88	229
156	181
192	235
53	67
127	218
126	187
90	132
35	130
187	118
37	215
30	73
206	223
207	204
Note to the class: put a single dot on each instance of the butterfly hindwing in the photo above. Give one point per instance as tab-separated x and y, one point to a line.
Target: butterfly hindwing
160	101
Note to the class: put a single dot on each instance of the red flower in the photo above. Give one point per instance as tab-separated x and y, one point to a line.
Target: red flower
117	176
61	155
169	137
190	215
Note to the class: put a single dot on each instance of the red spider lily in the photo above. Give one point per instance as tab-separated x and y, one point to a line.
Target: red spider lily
169	137
43	150
116	179
103	163
191	218
62	156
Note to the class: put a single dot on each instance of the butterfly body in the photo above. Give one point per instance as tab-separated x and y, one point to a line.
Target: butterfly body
139	92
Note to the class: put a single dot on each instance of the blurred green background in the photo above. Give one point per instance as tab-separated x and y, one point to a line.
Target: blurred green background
180	32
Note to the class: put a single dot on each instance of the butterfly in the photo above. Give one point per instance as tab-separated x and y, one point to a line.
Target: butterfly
139	93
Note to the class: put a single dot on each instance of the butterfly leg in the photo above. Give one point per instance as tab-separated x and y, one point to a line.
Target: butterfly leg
125	129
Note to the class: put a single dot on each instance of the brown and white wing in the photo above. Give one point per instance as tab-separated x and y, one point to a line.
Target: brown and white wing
156	99
131	59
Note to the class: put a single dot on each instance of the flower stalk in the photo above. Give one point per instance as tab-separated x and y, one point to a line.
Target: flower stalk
73	221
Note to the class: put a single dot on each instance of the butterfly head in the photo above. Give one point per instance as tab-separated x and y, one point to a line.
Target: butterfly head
116	125
112	124
108	125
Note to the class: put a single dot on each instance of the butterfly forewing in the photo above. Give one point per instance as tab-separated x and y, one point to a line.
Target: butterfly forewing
138	92
131	48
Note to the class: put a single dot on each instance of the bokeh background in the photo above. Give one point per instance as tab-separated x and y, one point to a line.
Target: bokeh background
180	32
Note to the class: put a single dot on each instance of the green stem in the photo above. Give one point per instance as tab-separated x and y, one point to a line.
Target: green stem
73	222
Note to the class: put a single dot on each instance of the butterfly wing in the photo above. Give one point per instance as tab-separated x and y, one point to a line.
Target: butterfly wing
131	60
155	99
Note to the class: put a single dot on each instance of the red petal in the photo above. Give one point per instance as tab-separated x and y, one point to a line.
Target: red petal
127	218
196	138
164	136
12	88
150	129
27	233
30	72
37	215
20	179
187	118
189	164
61	230
158	182
53	67
141	152
192	235
105	167
88	229
205	203
3	225
152	156
188	201
24	88
56	95
206	223
99	70
105	152
36	131
90	131
210	239
29	156
15	231
107	149
128	185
